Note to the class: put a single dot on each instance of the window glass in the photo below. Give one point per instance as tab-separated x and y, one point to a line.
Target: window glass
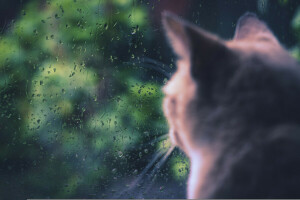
80	93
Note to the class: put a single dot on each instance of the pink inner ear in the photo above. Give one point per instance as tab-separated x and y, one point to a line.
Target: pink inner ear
175	31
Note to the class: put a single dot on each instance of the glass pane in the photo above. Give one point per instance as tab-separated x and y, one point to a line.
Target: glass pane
80	93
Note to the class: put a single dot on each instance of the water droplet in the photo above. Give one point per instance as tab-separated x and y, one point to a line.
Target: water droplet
114	170
146	150
105	26
120	154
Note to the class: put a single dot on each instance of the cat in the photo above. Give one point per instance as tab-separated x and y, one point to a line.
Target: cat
233	107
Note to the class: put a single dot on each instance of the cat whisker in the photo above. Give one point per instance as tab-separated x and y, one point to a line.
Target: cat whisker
152	64
157	139
162	161
134	184
162	156
158	166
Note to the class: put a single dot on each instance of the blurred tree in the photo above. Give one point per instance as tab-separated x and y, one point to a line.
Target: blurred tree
70	109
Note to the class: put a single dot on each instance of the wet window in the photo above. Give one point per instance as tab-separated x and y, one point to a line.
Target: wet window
80	93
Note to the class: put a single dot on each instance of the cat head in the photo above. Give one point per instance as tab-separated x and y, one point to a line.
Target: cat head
248	81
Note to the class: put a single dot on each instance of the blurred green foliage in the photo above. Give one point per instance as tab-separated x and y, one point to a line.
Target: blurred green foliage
68	103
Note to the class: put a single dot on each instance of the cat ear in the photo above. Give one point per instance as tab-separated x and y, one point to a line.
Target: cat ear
176	33
190	40
251	28
206	52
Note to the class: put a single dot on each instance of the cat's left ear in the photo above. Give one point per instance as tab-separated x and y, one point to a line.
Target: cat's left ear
187	39
205	51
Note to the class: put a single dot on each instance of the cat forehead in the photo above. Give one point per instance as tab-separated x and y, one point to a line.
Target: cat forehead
180	80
